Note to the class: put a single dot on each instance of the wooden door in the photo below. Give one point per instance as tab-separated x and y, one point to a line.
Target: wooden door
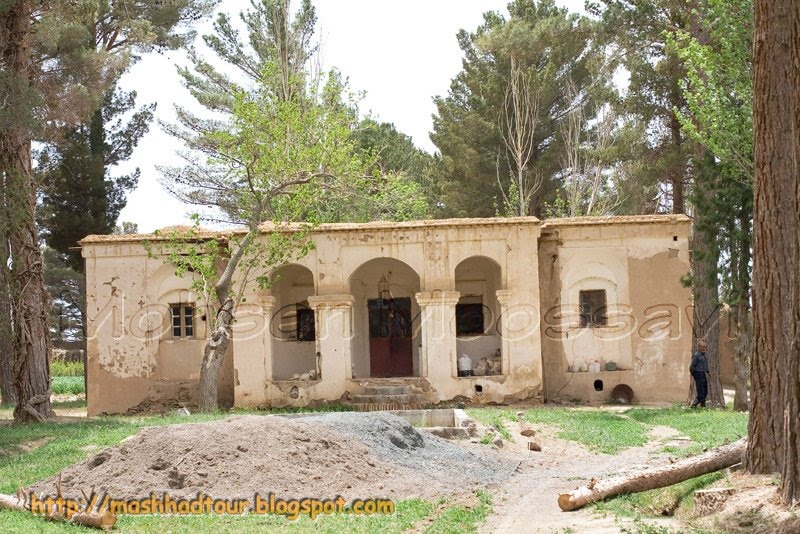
390	349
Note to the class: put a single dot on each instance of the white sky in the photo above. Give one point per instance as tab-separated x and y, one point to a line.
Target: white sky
401	54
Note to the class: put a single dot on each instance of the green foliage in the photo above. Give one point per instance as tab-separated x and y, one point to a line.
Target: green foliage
279	149
62	368
548	49
636	33
718	87
68	385
718	91
79	195
67	288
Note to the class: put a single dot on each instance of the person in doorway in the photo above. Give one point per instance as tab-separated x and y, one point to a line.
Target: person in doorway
699	370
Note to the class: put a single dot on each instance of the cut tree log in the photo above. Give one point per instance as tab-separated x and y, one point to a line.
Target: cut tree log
103	519
655	477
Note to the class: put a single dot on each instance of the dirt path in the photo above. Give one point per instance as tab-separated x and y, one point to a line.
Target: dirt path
528	502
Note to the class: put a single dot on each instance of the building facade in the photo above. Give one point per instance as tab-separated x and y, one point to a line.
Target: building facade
556	310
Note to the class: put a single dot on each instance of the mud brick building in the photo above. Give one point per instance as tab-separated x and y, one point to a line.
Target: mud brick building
553	310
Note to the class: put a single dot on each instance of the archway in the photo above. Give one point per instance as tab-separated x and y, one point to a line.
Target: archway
293	328
477	279
386	319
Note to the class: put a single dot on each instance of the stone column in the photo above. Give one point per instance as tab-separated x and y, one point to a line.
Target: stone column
268	306
438	321
252	352
503	299
333	315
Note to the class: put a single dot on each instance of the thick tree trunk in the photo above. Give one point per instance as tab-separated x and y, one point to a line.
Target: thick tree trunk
775	239
213	356
656	477
28	294
790	476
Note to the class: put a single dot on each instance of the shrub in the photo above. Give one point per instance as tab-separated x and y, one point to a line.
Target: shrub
68	385
62	368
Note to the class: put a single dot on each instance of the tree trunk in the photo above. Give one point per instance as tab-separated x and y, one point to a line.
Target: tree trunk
29	297
678	170
742	365
775	239
213	356
7	393
790	476
655	477
102	519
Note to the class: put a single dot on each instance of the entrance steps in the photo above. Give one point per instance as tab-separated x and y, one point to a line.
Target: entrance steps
376	397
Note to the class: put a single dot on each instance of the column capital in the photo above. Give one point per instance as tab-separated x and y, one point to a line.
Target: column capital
437	297
268	302
504	296
316	302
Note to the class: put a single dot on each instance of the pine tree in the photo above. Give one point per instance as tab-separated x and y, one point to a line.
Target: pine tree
497	129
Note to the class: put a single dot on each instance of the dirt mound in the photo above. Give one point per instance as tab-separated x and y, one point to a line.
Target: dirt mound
349	454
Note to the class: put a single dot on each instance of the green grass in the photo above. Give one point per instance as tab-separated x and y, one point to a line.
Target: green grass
406	515
68	385
707	428
600	431
62	368
495	418
462	518
452	519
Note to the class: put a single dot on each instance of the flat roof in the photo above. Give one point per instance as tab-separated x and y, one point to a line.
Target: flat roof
203	233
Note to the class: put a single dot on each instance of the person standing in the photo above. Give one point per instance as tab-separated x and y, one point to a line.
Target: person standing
699	370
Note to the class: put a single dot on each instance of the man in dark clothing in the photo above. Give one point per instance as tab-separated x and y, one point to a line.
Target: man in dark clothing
699	370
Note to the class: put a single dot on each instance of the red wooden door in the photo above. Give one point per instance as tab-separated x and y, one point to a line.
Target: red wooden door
390	349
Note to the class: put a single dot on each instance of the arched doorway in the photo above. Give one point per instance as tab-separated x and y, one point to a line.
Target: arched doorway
292	326
386	325
478	336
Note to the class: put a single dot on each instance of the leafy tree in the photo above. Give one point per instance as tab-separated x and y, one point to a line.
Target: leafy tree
718	92
80	196
498	129
280	143
67	289
62	83
637	33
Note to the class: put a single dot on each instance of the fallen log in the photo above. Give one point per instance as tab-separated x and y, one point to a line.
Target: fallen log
655	477
103	519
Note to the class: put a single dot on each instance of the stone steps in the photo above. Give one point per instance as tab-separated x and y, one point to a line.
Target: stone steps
377	397
386	407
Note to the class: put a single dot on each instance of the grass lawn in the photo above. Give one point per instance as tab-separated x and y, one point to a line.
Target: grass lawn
609	432
599	430
31	452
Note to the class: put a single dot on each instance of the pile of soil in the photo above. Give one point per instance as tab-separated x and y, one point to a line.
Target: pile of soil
355	455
